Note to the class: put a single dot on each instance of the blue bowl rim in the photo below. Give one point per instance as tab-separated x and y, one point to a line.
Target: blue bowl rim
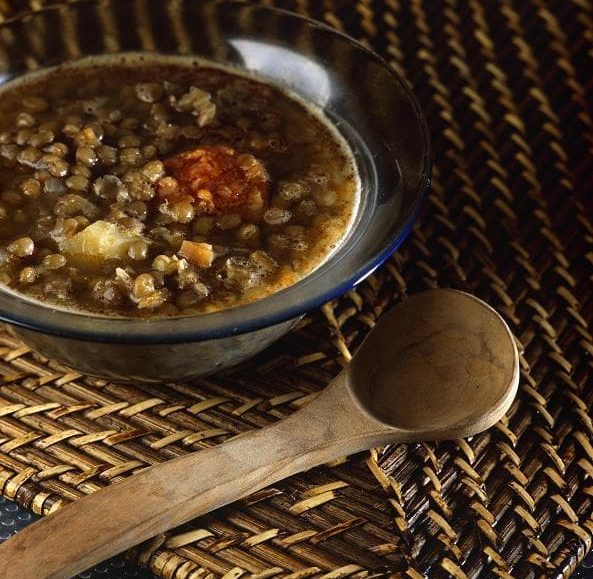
67	324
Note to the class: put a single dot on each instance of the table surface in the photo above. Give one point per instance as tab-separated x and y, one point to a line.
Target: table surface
13	518
506	89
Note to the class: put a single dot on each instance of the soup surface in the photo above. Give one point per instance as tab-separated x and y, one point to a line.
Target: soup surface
164	187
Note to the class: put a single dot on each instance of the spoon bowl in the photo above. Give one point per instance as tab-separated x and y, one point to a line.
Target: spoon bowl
441	365
427	370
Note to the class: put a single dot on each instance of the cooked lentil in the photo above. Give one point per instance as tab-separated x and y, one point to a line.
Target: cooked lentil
123	194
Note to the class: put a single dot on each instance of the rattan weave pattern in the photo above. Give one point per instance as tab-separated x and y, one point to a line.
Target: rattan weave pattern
507	88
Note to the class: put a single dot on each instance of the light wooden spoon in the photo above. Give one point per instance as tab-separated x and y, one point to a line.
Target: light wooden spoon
441	365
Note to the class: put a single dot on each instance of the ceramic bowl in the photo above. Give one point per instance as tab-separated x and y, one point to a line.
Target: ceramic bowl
365	97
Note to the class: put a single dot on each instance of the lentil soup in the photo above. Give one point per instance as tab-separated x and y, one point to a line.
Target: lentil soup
159	187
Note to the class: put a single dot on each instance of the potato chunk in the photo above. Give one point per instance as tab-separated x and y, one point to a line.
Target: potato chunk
100	240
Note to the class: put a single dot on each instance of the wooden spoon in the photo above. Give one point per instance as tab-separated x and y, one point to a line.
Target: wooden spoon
441	365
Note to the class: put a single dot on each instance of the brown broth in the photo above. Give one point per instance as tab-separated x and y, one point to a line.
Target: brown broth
97	196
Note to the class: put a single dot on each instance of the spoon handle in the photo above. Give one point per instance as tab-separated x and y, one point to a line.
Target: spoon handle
161	497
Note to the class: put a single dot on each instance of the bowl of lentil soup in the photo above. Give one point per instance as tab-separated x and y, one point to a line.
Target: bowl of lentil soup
172	201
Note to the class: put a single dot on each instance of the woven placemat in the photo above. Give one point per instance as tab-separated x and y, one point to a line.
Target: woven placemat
507	89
